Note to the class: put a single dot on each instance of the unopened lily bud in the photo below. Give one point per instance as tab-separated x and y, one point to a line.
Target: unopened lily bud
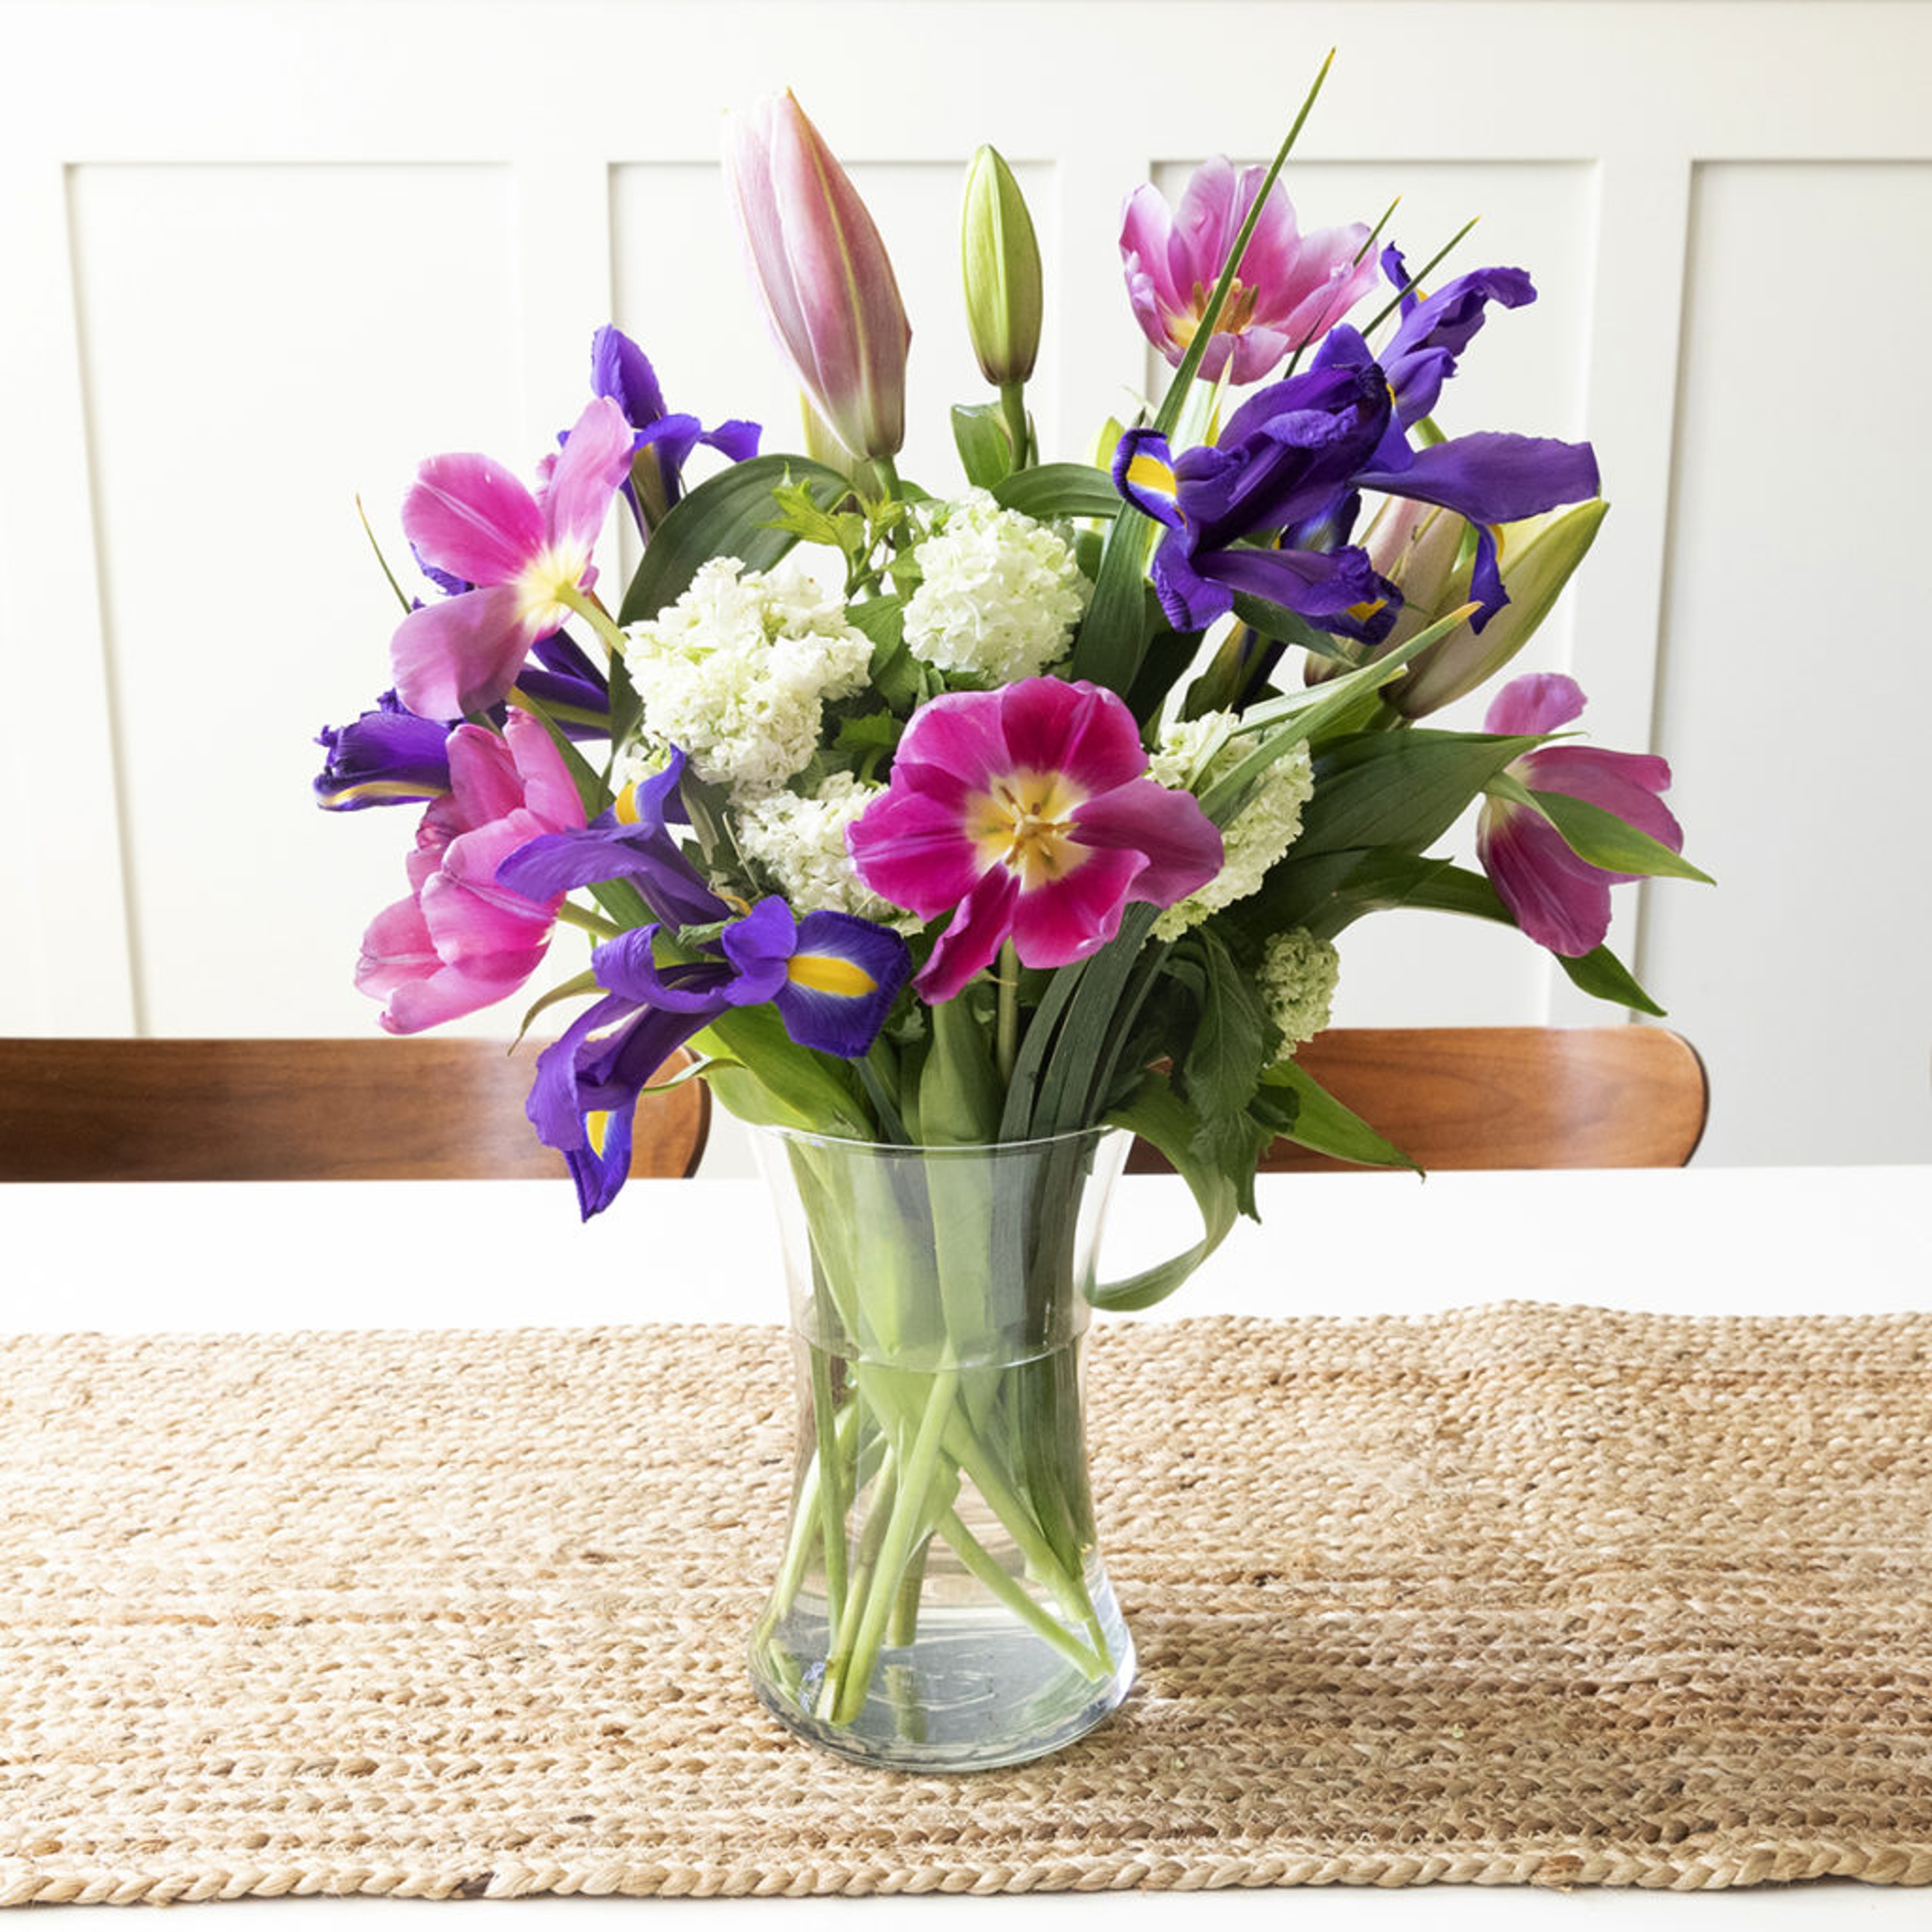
1001	260
826	280
1536	557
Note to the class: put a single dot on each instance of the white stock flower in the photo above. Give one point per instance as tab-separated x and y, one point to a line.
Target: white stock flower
737	670
1268	826
801	842
1297	979
999	596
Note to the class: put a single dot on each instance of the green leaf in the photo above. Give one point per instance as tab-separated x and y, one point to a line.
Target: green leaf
1399	789
1277	621
1163	1120
576	988
958	1090
1601	838
729	515
1059	489
986	449
1604	976
1323	1123
1231	1041
791	1086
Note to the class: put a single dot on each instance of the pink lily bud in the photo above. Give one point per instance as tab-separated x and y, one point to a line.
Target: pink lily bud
818	262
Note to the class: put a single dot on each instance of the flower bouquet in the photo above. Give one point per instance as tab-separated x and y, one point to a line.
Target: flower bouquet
1021	819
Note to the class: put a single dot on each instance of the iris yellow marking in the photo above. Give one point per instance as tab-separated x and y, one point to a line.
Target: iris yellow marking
829	972
1149	473
596	1126
624	806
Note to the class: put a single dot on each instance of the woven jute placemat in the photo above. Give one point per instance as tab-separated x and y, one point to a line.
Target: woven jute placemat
1522	1594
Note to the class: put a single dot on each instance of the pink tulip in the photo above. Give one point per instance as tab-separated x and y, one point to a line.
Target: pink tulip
525	554
1562	902
460	941
1027	814
826	282
1291	289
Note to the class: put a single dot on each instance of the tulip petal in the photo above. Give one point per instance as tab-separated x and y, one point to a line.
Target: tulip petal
461	655
1536	703
465	514
1077	729
1182	849
1560	902
1077	915
596	459
977	931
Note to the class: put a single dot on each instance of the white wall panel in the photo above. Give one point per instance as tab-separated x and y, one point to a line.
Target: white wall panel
1796	682
345	235
260	345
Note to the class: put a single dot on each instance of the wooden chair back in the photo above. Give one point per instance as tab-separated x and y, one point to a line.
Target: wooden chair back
360	1109
1508	1096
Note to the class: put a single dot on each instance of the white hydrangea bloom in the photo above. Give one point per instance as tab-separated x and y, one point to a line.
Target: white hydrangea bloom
1001	594
1267	826
801	842
1297	978
737	670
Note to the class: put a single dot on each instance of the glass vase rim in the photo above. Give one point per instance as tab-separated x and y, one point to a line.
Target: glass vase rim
1098	1132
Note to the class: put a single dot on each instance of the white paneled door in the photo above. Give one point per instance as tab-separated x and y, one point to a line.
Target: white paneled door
258	257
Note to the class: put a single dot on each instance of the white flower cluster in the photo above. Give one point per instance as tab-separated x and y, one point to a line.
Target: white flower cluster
801	842
1268	826
1297	979
737	670
999	597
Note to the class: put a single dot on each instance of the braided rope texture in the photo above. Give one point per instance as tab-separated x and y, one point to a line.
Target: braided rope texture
1520	1595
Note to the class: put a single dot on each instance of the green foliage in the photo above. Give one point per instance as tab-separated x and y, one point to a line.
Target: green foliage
731	514
1399	789
1601	838
985	448
1320	1121
1051	489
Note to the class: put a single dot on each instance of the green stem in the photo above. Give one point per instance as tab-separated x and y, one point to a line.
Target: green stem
1008	1023
1012	407
832	1500
586	921
985	1568
832	1691
907	1513
594	614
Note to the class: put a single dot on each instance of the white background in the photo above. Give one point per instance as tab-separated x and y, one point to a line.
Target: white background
256	259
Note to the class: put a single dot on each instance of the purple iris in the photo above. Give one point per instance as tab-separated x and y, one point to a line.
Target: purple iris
1286	461
1487	478
1268	508
1434	331
832	977
622	371
388	756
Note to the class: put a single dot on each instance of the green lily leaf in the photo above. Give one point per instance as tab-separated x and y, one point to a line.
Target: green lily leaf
1399	789
728	515
986	449
1324	1124
1601	838
1052	490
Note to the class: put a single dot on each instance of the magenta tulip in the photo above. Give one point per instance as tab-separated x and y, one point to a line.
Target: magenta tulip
525	555
1027	814
826	280
460	941
1561	901
1290	290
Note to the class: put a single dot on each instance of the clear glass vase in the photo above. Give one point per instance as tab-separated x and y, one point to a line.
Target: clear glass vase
941	1603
